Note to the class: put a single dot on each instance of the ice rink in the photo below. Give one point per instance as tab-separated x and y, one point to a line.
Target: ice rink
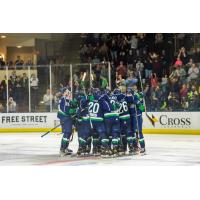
30	149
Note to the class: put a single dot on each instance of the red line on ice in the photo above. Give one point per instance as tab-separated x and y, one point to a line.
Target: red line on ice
68	161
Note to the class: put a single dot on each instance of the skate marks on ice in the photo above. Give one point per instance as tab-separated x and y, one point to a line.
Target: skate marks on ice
30	149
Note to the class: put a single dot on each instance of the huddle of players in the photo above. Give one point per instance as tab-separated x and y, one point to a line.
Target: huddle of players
110	122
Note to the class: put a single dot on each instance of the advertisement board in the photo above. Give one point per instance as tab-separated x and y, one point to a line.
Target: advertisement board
172	122
162	122
28	122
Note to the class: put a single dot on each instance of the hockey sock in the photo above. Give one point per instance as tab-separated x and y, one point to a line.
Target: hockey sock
104	142
89	141
64	143
82	142
124	141
141	141
130	140
135	143
115	142
110	141
95	142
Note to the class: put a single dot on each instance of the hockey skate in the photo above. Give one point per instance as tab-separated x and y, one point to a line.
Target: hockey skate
65	152
80	151
88	149
68	151
134	150
105	152
95	151
115	152
143	151
121	151
131	150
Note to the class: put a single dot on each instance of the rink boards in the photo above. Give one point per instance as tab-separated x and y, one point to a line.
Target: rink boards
160	122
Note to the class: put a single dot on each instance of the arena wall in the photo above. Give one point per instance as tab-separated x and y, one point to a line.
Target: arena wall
163	122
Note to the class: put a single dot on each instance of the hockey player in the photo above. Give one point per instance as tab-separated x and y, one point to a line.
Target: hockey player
111	119
65	110
83	126
136	108
126	135
139	109
100	141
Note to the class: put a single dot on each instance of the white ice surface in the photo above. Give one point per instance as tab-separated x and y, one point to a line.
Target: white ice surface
30	149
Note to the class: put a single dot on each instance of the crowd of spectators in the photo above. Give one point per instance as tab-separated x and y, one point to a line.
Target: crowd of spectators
171	79
17	64
17	92
18	95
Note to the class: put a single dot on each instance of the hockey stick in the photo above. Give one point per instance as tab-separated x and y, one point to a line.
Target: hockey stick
137	125
145	108
55	128
51	130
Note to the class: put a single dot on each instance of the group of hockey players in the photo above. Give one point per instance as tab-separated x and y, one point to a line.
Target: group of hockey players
108	123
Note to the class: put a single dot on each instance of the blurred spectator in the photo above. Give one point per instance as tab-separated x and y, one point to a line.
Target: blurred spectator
156	98
96	37
164	84
183	56
183	91
3	88
84	53
29	62
120	82
17	91
165	62
159	42
193	72
34	81
56	99
197	55
2	63
140	67
1	108
193	98
154	80
175	86
104	70
19	62
97	72
11	105
131	62
121	70
178	62
113	50
95	60
13	75
104	51
173	101
148	68
180	73
189	64
131	80
158	38
134	44
47	98
147	95
157	68
24	83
